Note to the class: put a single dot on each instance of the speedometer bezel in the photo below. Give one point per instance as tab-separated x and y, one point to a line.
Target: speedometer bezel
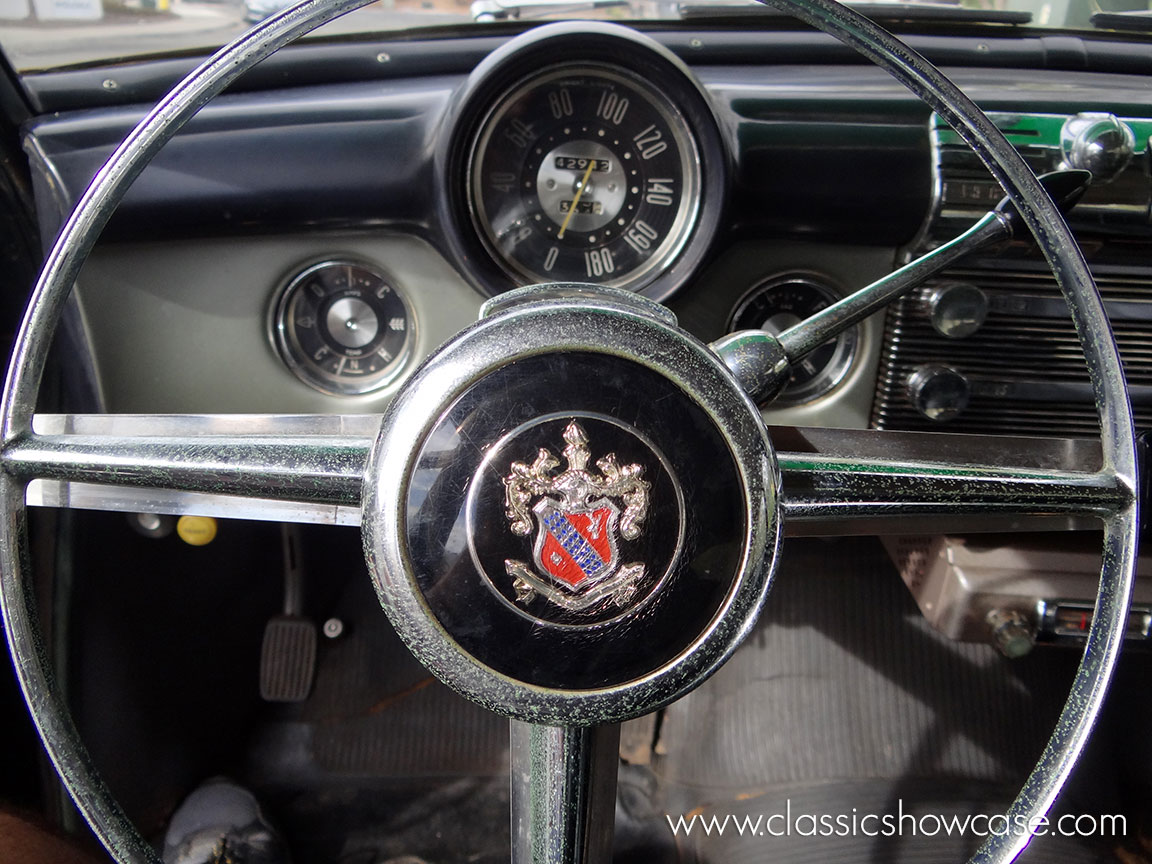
572	44
689	205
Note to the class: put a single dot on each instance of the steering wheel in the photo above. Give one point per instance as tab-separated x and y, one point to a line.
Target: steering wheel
450	488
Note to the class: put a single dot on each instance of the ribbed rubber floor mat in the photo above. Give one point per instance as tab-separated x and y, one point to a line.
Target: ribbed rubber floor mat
844	680
845	701
842	700
375	712
435	733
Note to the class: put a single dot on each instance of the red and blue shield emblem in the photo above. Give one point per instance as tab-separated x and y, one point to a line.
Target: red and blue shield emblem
578	522
576	548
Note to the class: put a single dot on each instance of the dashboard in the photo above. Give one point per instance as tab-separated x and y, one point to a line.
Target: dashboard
555	158
300	249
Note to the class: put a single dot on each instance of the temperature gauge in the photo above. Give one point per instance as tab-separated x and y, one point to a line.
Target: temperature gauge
342	327
775	306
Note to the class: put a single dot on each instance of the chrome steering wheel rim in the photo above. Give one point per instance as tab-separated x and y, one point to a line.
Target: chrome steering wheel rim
110	185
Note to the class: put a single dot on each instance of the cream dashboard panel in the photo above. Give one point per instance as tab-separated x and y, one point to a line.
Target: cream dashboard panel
186	327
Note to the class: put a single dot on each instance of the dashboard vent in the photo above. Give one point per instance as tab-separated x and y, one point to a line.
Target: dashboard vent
1021	371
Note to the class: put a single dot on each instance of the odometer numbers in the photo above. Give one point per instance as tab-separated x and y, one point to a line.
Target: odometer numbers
585	174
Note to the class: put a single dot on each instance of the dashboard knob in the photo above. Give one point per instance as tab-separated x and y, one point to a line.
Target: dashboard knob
938	392
1097	142
956	309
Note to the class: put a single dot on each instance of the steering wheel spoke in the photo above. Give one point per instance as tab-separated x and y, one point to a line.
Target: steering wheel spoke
304	468
295	468
563	792
928	483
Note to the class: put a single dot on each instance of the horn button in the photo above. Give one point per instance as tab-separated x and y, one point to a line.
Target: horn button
570	513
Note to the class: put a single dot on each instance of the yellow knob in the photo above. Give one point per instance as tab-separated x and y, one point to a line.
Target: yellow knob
196	530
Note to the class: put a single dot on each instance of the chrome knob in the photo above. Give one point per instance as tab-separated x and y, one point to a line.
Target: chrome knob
938	392
956	309
1097	142
1011	632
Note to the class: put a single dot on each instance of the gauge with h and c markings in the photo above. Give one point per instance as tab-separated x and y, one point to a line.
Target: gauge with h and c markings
342	327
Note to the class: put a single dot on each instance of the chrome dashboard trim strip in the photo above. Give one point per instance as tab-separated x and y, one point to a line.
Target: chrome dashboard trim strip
94	496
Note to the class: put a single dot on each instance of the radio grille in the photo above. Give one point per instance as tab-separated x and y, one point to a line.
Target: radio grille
1024	367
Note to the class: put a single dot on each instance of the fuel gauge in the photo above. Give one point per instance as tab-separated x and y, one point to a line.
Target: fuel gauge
777	304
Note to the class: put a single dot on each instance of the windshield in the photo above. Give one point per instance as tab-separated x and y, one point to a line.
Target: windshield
47	34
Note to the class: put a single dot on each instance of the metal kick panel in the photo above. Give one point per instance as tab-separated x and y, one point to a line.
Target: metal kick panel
968	586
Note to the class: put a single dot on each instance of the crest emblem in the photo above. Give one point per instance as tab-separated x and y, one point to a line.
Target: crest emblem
578	520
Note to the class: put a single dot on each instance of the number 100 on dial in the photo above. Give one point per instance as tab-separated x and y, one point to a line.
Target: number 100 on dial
584	174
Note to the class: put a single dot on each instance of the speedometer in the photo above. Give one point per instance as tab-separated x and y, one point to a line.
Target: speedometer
584	173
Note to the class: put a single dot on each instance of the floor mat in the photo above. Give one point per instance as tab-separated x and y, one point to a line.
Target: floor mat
843	702
382	761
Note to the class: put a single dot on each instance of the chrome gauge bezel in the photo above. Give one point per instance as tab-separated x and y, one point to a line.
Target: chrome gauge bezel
590	45
684	138
837	367
286	342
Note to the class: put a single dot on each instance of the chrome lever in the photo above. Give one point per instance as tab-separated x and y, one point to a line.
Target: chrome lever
762	362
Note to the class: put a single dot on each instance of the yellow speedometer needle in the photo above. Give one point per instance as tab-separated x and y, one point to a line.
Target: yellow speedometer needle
576	200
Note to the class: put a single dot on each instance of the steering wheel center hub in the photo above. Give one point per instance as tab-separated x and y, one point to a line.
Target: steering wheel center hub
571	524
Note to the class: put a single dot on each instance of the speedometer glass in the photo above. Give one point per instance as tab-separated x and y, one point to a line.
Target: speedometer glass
584	173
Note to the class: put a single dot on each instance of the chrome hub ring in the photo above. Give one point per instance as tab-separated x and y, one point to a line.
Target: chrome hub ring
581	552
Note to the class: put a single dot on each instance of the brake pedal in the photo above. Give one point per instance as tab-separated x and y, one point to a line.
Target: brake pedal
288	655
